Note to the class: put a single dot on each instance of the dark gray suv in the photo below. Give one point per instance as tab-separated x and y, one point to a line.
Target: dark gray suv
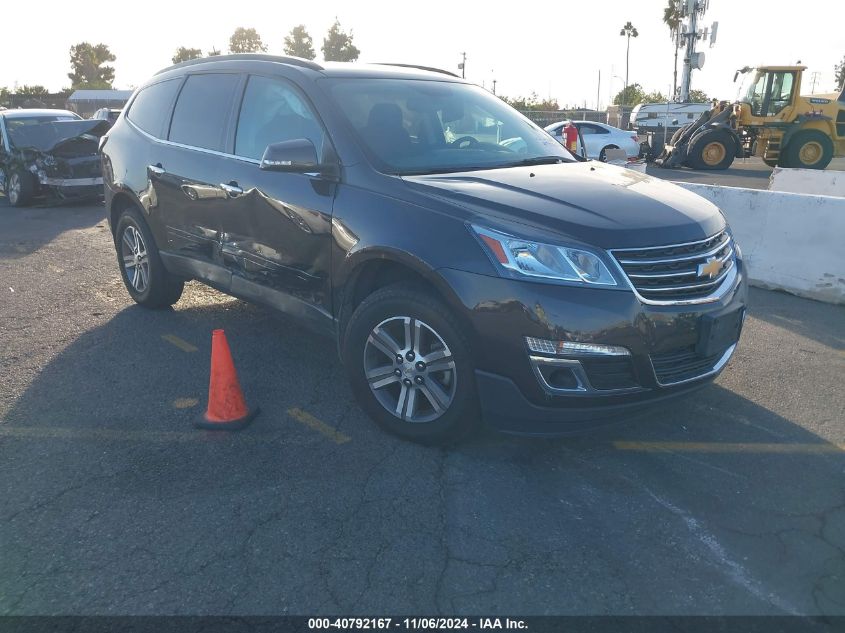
469	267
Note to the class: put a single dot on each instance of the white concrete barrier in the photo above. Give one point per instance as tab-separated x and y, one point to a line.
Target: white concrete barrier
810	181
790	241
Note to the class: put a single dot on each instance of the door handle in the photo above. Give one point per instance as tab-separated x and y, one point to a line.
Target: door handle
231	188
156	170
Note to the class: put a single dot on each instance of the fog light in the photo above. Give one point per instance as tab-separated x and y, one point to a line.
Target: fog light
569	348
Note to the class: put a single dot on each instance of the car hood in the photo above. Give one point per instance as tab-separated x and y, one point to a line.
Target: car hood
594	203
66	138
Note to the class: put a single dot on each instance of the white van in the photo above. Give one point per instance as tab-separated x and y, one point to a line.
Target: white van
650	116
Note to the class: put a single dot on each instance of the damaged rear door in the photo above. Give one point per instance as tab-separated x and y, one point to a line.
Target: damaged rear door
185	174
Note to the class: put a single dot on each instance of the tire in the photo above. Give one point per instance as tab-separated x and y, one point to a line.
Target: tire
603	152
137	255
713	149
20	189
809	149
377	332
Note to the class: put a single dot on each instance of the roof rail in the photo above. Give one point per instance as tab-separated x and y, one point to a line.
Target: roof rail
418	67
293	61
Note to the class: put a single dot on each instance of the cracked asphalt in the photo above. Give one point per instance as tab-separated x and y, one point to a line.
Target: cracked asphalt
730	502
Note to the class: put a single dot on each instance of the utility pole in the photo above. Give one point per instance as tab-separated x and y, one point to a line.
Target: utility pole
629	31
815	76
494	86
598	92
463	66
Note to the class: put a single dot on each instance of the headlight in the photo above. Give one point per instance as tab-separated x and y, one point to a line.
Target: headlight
527	258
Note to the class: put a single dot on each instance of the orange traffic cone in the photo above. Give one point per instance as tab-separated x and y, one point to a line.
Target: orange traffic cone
226	407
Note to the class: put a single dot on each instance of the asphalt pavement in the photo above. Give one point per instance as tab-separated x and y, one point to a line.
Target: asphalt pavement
751	173
729	502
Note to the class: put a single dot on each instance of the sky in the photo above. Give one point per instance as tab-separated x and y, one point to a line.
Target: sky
555	49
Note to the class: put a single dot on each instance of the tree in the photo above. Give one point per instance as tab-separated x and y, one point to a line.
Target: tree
4	95
246	41
184	54
653	97
338	46
629	31
631	95
532	102
88	64
299	43
672	19
32	91
840	73
698	96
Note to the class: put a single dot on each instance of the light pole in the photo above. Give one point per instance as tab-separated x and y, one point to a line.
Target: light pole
629	31
462	65
611	83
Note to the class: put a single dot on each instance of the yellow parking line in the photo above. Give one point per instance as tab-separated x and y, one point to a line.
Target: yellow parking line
728	447
318	425
180	343
185	403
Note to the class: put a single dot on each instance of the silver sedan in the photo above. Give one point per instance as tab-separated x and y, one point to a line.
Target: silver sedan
600	137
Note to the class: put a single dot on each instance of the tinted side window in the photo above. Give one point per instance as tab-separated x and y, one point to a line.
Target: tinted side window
272	111
151	108
202	111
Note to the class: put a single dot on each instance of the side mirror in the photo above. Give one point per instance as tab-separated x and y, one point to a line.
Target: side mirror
296	156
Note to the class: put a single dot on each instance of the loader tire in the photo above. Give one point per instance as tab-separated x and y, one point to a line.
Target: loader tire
713	149
810	149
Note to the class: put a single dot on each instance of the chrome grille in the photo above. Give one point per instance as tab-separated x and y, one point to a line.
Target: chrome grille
678	273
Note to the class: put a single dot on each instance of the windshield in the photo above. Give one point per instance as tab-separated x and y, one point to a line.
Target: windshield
752	88
416	127
41	132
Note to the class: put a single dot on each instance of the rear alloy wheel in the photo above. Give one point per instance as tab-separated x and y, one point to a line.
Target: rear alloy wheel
20	188
144	275
603	152
810	149
410	366
136	261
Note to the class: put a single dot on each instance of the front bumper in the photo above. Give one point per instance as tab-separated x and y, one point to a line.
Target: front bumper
514	398
71	182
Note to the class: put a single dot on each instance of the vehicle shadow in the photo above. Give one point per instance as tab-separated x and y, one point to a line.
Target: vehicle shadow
24	230
714	504
821	322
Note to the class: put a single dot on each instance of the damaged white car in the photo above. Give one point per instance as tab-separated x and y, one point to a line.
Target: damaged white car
49	153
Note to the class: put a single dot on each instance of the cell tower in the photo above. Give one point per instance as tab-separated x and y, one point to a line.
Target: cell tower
692	11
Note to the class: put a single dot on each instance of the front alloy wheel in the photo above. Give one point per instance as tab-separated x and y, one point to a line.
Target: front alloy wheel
410	366
410	369
135	260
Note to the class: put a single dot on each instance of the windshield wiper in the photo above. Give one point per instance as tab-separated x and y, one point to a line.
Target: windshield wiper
538	160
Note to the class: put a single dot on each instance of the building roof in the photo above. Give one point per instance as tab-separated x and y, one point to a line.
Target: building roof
100	95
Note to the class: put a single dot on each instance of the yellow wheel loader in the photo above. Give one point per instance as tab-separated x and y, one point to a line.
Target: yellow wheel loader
769	119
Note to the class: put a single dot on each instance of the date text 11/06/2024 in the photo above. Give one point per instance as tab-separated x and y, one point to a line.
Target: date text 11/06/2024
413	624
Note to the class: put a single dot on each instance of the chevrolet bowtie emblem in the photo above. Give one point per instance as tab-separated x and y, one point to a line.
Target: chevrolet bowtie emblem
710	268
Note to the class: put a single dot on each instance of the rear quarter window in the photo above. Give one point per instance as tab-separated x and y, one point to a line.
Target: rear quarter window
151	108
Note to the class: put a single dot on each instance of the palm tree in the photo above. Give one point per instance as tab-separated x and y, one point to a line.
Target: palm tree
672	19
630	31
